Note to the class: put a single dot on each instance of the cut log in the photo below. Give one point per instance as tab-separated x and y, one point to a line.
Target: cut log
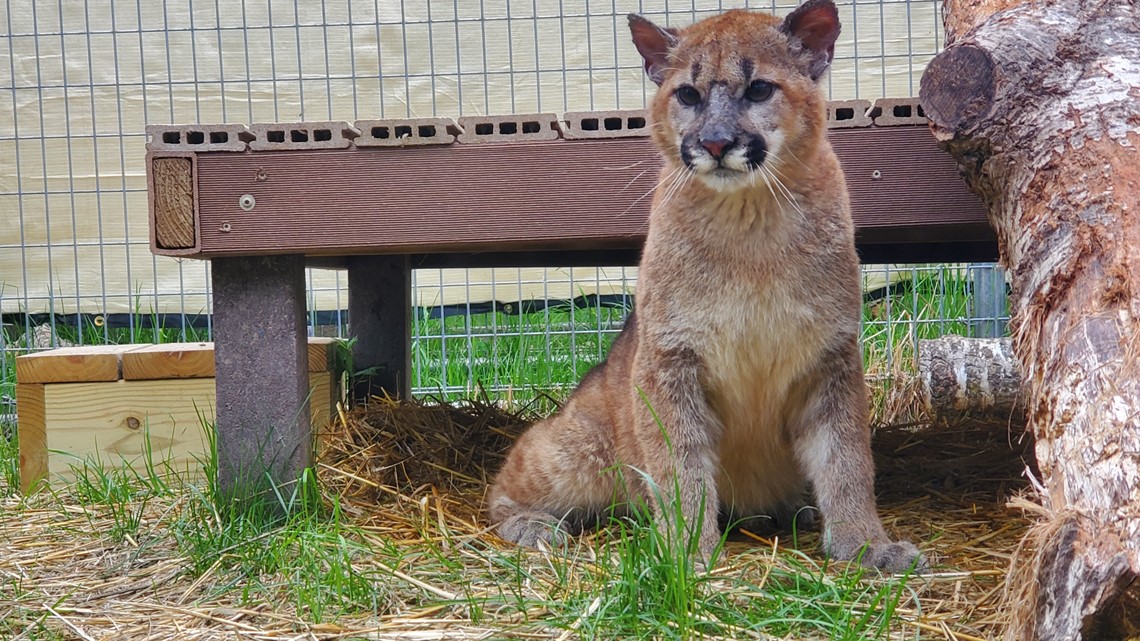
1039	102
975	377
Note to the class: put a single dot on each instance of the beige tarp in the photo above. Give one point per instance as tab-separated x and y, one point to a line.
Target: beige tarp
80	80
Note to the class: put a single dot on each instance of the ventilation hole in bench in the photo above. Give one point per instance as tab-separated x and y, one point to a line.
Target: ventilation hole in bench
219	137
195	137
298	135
508	128
171	137
845	113
380	132
921	112
427	131
275	136
612	124
636	122
403	131
531	127
901	111
589	124
484	129
321	135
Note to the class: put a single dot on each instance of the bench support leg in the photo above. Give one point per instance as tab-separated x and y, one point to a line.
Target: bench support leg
380	319
264	435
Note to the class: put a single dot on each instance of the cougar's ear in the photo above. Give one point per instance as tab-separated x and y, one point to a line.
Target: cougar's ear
654	45
813	29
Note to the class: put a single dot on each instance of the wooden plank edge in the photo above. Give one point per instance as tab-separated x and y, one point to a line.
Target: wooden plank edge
31	425
151	156
81	364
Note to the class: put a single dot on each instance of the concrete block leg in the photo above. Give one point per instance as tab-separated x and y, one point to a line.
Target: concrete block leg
380	320
264	432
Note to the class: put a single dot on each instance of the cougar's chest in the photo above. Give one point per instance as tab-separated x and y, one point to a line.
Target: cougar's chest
763	340
762	337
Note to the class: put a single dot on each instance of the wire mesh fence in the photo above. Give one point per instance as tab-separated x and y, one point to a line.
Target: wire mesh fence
81	80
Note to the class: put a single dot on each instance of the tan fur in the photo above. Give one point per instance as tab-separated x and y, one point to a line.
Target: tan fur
739	377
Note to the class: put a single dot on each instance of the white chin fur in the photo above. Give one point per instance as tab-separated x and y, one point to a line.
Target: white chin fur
724	180
728	175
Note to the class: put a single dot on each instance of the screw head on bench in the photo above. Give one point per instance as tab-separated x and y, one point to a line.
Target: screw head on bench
247	202
876	175
226	227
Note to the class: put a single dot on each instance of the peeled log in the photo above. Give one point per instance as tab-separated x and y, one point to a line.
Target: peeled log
977	377
1039	102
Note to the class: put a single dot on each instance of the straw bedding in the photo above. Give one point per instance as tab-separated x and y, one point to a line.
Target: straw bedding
413	474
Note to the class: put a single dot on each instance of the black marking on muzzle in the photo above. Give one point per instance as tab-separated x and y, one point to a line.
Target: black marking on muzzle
757	152
686	155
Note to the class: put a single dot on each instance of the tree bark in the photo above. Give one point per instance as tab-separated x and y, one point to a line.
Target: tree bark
1039	102
975	377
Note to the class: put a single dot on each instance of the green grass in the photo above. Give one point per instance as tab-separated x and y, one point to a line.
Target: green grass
9	463
550	350
94	333
648	593
302	548
9	450
545	350
930	303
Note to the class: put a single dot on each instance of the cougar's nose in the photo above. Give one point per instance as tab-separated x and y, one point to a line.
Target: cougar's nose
716	146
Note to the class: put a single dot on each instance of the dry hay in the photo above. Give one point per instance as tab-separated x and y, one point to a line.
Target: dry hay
947	487
413	475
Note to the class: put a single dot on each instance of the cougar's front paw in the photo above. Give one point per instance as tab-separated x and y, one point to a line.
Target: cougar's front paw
888	556
895	557
529	529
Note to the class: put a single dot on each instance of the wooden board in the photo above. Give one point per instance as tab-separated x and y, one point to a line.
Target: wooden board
172	191
89	363
141	362
32	436
170	360
322	403
196	360
570	195
322	353
62	425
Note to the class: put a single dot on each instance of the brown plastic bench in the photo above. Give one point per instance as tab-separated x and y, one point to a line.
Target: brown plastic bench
382	197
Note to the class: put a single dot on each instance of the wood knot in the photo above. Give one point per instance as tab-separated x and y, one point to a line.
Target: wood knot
133	423
957	89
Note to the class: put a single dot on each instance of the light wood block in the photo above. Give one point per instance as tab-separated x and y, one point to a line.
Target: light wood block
196	360
322	353
31	418
72	364
165	397
178	360
172	191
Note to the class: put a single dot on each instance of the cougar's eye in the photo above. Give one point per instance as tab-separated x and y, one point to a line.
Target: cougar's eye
759	90
688	95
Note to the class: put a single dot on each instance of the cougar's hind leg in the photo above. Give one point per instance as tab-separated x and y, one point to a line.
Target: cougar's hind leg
557	477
